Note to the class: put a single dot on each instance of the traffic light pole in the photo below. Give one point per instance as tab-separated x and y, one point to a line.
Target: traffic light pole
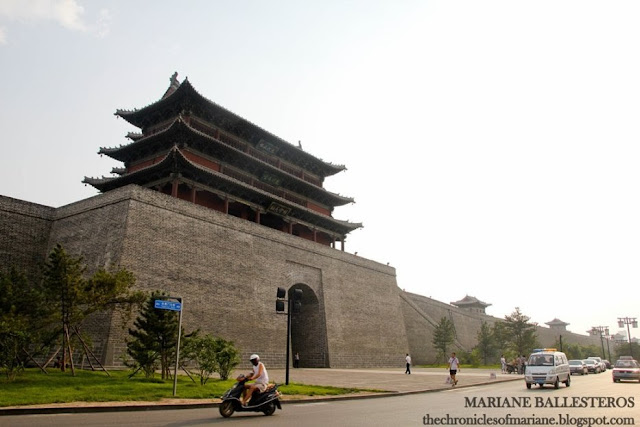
288	339
294	302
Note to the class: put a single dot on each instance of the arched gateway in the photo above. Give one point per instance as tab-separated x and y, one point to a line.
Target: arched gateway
309	330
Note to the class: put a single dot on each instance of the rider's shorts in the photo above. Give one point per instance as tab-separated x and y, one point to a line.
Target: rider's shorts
261	387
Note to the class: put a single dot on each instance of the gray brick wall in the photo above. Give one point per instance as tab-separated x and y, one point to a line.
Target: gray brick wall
24	233
228	269
422	314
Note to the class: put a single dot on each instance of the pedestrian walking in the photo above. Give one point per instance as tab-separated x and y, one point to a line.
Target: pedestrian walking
503	364
408	370
296	360
454	367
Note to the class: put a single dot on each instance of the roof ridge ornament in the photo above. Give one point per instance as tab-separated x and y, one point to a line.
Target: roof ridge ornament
173	86
174	80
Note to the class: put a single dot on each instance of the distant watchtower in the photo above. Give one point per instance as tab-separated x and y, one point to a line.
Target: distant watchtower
557	325
195	150
471	304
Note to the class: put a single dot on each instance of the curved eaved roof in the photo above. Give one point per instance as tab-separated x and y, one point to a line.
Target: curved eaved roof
180	130
469	301
187	98
175	162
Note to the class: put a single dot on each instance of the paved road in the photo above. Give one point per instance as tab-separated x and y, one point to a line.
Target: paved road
592	396
390	380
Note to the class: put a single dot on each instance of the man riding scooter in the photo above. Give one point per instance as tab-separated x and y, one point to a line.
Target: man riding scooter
261	377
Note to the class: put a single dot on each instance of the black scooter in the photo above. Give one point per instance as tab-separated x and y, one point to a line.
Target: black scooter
266	402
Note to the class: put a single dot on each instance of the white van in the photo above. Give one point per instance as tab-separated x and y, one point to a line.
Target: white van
547	366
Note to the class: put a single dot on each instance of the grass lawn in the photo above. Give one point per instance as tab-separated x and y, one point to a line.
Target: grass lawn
33	387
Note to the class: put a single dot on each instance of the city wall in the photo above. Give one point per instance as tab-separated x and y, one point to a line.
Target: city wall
422	314
227	270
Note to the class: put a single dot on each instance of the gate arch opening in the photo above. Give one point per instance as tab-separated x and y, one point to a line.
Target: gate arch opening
309	330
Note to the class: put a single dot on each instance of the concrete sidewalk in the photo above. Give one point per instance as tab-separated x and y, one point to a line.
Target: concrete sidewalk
392	381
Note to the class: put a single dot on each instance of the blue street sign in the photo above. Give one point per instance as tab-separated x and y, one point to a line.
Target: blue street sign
167	305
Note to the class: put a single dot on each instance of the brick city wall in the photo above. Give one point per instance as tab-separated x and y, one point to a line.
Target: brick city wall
422	314
24	232
228	270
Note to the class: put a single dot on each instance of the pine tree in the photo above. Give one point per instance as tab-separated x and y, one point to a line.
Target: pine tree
486	342
154	338
519	335
74	297
23	318
443	336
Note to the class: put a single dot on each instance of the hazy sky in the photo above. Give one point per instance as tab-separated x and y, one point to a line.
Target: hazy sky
492	147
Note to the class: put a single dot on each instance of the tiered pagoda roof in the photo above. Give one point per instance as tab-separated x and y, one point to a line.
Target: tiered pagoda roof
556	322
180	134
189	142
471	304
186	100
469	301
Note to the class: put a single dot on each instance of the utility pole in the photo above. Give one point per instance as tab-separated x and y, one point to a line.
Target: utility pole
628	321
601	330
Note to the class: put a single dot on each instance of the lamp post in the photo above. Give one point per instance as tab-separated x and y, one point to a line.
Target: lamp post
628	321
601	330
294	302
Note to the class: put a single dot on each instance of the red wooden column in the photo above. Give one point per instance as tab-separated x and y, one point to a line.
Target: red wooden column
342	244
291	228
193	195
174	188
226	206
258	216
315	235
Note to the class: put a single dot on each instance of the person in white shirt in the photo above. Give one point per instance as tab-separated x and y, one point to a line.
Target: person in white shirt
453	368
261	377
408	359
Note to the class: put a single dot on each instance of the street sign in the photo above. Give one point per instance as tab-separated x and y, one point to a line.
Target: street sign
167	305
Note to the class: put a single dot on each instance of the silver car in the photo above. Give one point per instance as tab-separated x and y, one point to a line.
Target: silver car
626	370
599	361
577	366
592	366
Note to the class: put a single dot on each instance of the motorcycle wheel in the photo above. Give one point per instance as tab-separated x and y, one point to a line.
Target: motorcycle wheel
226	409
269	408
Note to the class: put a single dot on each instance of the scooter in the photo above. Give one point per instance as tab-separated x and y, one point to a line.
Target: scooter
265	402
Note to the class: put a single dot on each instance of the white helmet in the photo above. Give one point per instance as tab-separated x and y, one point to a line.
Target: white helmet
254	356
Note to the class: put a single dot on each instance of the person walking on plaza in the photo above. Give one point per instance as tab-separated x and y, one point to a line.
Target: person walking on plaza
503	364
408	359
296	360
454	367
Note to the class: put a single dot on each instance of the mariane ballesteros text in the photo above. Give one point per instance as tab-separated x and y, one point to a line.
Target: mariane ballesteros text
549	402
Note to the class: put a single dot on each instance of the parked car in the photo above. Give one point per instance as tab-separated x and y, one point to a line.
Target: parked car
598	359
592	366
626	370
577	366
607	364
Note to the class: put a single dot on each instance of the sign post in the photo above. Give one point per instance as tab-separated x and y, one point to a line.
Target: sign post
174	306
